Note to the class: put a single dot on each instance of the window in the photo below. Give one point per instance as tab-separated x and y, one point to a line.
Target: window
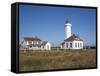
30	46
39	46
66	45
33	42
78	44
43	46
70	45
75	44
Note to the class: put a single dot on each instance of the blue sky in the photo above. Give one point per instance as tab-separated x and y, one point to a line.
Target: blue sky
47	23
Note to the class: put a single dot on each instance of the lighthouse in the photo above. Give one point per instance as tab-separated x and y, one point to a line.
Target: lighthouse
71	41
67	29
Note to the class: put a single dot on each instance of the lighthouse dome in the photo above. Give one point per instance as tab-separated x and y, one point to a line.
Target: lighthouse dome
67	23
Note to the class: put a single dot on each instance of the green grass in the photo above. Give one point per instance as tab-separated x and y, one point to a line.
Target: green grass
61	59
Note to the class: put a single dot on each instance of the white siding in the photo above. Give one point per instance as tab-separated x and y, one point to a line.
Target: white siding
75	45
67	30
27	45
48	46
78	44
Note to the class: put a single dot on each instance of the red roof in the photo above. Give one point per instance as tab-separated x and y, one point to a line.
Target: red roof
44	42
32	39
73	37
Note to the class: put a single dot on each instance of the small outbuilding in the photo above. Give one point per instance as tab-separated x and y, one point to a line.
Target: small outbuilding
35	43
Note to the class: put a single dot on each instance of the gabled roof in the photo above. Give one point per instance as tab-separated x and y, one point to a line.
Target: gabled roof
73	38
44	42
32	39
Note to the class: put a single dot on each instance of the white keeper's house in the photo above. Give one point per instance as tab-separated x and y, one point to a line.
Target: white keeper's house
35	43
71	41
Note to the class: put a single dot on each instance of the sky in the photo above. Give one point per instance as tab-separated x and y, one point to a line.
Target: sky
47	23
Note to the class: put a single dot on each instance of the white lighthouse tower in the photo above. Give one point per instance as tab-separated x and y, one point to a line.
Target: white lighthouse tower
71	41
67	29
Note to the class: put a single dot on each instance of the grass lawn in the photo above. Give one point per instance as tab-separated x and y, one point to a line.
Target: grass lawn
58	59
